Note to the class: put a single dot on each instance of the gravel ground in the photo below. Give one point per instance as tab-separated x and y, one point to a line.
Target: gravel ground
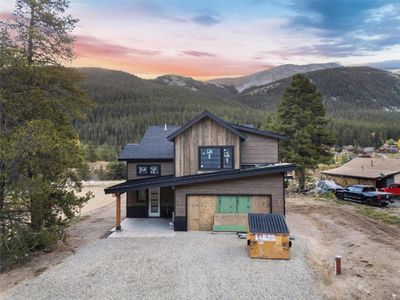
193	265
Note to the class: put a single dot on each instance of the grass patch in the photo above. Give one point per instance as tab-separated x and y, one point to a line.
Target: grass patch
379	215
330	196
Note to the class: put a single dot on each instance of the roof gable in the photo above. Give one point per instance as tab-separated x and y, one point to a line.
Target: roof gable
202	116
367	168
154	145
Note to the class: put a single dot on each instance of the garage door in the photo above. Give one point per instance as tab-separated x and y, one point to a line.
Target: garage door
205	211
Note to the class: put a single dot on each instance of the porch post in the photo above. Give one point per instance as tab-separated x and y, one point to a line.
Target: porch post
118	212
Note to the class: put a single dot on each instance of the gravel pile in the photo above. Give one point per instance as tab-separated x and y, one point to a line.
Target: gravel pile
193	265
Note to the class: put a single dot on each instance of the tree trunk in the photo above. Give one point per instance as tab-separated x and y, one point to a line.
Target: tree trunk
301	179
30	34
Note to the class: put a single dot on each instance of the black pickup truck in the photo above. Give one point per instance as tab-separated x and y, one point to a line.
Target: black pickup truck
365	194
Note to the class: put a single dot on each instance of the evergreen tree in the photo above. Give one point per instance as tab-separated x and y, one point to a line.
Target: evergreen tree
39	99
301	116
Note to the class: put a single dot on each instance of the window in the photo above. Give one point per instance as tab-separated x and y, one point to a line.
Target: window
148	170
214	158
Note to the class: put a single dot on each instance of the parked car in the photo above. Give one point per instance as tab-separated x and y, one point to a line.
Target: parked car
394	189
325	186
365	194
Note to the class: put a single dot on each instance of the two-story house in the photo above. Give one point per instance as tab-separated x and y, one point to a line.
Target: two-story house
207	174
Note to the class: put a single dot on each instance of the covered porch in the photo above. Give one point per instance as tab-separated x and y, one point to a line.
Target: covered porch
143	228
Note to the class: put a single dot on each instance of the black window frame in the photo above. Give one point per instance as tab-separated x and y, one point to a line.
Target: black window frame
221	162
148	166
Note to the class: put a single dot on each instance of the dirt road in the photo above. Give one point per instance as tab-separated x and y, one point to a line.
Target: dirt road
97	218
369	249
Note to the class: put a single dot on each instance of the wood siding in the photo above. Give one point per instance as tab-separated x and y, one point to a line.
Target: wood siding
259	149
259	185
167	168
203	133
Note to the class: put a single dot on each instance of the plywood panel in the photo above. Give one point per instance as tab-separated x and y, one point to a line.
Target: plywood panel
203	133
230	219
201	211
260	204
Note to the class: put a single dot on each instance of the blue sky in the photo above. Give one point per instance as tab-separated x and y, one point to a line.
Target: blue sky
205	39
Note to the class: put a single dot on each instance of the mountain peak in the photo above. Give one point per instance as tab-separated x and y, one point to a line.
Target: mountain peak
271	75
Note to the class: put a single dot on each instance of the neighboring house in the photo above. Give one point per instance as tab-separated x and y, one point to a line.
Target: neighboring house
207	174
378	172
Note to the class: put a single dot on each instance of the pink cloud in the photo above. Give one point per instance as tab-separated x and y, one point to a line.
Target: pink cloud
88	46
198	53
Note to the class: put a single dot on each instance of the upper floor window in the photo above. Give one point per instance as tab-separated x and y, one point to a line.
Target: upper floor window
148	170
215	157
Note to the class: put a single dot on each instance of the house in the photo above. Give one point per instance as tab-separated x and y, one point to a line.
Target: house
377	172
207	174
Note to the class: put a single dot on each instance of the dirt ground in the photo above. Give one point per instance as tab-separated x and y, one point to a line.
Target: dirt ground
96	220
369	249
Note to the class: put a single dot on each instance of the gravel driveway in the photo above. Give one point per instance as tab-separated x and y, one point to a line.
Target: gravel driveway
190	265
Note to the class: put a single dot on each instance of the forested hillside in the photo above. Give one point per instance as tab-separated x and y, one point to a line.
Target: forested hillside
358	99
126	105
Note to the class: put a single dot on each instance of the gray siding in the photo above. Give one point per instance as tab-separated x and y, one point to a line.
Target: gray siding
266	184
259	149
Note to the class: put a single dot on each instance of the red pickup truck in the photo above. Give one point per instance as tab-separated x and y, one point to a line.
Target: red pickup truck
394	188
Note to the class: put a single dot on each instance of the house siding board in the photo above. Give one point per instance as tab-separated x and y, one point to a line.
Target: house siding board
271	184
259	149
204	133
167	168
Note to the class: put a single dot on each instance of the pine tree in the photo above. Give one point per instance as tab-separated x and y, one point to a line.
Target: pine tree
39	99
301	116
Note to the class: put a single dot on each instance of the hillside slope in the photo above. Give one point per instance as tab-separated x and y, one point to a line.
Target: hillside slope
358	99
342	89
127	104
271	75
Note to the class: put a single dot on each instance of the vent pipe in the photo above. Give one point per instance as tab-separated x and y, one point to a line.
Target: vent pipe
165	127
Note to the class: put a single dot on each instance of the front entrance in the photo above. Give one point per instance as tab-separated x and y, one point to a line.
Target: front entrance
154	202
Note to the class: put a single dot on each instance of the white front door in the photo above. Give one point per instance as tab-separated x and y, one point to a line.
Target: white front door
154	202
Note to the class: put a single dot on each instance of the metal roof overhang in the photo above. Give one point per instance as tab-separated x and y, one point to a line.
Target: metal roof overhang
171	180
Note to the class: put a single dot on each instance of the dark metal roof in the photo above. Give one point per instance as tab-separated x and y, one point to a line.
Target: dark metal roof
171	180
267	223
260	132
201	116
153	146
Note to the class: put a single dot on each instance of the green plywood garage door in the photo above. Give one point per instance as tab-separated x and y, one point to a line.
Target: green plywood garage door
233	204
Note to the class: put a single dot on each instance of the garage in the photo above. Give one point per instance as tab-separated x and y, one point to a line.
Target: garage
224	212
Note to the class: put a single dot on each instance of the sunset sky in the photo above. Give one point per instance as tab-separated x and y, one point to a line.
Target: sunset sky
207	39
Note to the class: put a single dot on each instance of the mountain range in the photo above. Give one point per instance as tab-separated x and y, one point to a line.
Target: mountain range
364	102
271	75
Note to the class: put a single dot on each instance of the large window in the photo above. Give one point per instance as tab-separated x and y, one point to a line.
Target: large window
148	170
214	158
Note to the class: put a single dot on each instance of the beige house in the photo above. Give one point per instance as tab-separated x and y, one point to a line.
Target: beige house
207	174
378	172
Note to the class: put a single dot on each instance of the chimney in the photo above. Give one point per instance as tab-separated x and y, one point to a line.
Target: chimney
165	127
372	163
